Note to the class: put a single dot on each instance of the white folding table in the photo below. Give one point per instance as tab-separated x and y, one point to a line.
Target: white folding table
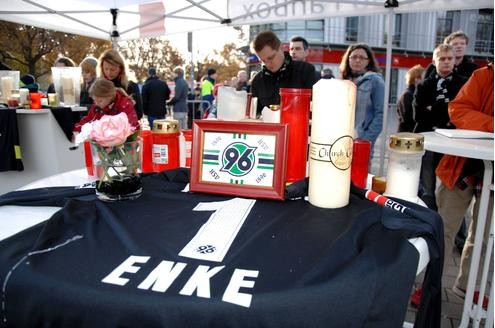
478	149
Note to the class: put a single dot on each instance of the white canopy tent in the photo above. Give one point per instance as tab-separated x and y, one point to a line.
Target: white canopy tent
129	19
142	18
105	19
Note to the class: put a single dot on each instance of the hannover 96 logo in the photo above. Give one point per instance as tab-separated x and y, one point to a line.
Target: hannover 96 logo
238	159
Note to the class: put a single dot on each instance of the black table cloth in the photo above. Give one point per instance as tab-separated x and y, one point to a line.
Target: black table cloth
10	149
66	119
291	264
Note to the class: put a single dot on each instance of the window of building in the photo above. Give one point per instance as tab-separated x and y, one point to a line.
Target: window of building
351	29
310	30
444	26
484	32
397	30
396	36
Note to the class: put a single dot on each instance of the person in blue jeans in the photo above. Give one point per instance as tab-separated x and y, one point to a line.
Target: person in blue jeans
180	98
359	66
207	91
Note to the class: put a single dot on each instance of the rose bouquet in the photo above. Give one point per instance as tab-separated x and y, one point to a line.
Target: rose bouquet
115	150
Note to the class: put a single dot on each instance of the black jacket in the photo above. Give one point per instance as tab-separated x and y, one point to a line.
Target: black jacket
10	158
155	95
132	90
430	106
85	98
292	74
405	110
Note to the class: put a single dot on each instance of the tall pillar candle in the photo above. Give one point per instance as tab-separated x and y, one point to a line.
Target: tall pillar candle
330	154
7	86
69	91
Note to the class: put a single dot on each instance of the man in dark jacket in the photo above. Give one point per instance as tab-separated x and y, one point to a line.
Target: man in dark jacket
430	107
459	41
155	95
180	98
279	71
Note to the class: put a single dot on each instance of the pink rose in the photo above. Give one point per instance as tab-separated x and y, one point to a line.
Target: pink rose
111	130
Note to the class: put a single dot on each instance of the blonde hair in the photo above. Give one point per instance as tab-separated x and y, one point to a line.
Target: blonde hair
456	34
442	48
413	73
113	57
89	65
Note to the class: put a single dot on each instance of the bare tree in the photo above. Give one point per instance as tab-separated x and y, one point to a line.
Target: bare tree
151	52
33	50
227	62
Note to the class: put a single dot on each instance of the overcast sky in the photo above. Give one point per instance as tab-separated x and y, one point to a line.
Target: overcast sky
205	41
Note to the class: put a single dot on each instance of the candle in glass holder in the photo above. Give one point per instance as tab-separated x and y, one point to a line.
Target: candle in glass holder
68	90
35	100
23	96
404	166
330	151
53	99
7	86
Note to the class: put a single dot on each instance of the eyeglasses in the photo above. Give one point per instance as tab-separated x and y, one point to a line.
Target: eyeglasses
358	58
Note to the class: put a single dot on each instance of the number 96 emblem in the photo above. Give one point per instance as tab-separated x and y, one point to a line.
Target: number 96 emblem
238	159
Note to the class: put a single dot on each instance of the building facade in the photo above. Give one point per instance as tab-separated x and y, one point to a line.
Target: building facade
414	38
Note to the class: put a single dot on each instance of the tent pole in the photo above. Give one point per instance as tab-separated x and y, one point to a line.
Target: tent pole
388	64
114	36
191	69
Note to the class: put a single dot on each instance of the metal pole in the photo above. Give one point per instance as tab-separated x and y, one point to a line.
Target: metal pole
191	68
388	64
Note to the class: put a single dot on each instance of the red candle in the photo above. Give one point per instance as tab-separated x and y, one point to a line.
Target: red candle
295	105
147	163
88	159
35	100
360	162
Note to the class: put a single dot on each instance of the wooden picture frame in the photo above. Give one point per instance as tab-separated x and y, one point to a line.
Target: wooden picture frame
245	159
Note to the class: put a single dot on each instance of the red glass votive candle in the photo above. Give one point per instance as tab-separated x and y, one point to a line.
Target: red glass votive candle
147	151
188	137
35	100
360	162
295	106
13	102
88	159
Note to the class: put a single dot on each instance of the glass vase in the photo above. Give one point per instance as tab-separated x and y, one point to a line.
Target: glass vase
117	170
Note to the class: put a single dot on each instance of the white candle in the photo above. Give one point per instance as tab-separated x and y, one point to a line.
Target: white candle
24	93
404	165
7	86
270	116
68	90
330	154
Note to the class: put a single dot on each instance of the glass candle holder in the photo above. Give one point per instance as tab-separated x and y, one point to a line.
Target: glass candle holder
404	165
67	84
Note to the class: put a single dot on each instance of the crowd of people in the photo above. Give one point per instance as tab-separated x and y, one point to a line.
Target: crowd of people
440	96
452	92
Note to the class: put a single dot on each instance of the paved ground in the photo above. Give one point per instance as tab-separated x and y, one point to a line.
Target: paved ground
451	304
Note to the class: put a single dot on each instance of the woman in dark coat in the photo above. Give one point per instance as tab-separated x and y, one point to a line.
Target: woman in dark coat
404	106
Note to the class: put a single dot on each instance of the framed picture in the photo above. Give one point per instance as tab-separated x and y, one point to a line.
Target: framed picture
245	159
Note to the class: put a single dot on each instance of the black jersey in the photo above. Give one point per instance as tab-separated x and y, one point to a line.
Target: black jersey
179	259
